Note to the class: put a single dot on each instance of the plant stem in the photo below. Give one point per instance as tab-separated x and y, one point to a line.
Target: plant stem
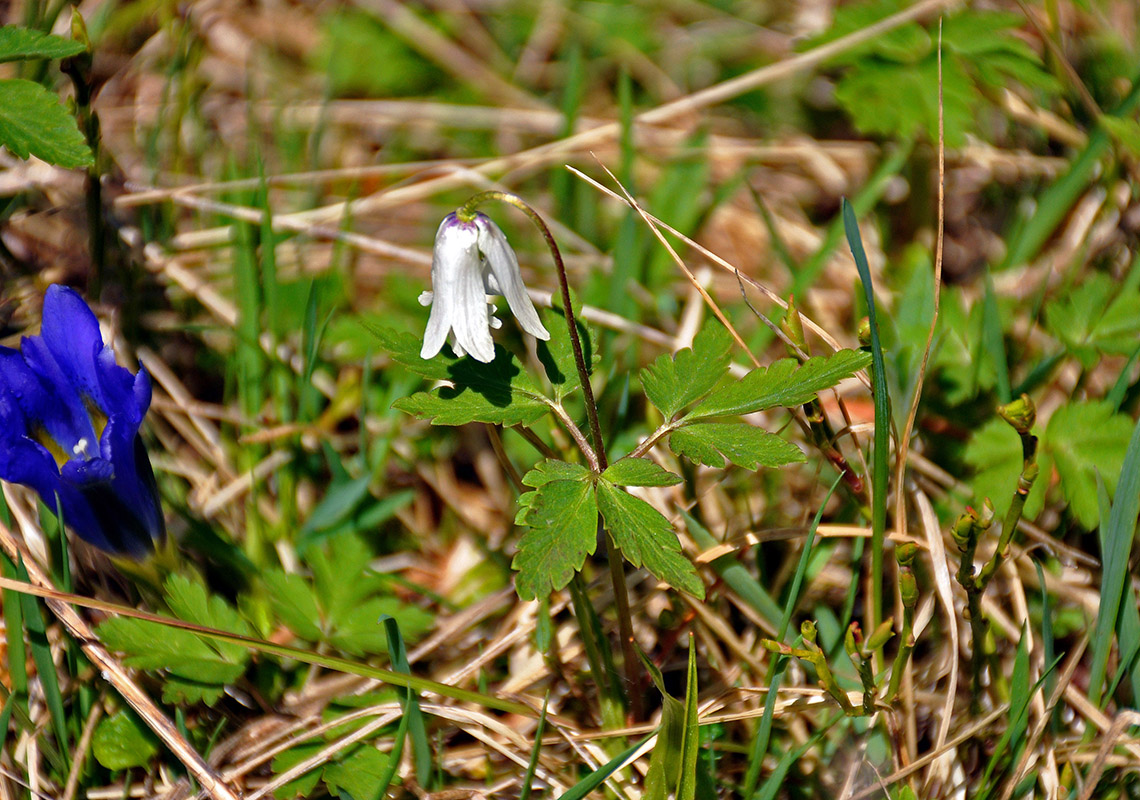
617	561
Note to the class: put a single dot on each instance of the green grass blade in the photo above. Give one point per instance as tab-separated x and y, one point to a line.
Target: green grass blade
1116	548
421	748
532	765
880	468
735	574
45	666
595	778
690	731
775	667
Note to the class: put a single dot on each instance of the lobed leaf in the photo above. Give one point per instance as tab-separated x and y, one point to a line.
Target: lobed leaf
710	443
18	43
647	539
784	383
673	383
562	518
639	472
34	123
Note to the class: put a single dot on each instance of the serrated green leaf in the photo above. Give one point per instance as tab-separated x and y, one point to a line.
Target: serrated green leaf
562	521
646	538
404	349
121	741
1094	318
979	33
552	470
358	777
34	123
639	472
150	645
1085	438
994	452
357	631
18	43
901	100
783	384
198	668
673	383
294	603
500	393
190	603
180	691
341	576
303	785
557	354
710	443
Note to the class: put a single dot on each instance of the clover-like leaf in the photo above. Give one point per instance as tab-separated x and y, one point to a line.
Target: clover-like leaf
671	383
785	383
710	443
646	538
561	517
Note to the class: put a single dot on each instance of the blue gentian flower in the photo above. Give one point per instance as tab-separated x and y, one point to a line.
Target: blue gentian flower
69	428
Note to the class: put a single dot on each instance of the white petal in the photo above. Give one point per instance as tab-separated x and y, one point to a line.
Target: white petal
456	245
426	298
504	266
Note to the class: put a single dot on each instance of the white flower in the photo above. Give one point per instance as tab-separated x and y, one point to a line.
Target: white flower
470	261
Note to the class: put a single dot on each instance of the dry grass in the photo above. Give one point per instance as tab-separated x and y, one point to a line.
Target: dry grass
185	141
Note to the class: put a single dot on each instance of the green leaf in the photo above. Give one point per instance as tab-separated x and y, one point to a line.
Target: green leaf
647	538
639	472
358	631
198	668
562	517
122	742
710	443
552	470
358	776
341	575
1085	438
499	393
1125	131
19	43
783	384
1095	318
294	603
34	123
303	785
673	383
994	452
898	100
557	354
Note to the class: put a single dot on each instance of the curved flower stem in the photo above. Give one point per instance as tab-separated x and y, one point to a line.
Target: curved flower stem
600	462
467	213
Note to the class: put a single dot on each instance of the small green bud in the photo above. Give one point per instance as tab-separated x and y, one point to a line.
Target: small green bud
1021	414
864	332
79	29
908	589
793	327
881	635
905	553
807	630
852	638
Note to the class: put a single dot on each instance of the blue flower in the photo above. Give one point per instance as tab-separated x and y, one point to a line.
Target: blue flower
69	428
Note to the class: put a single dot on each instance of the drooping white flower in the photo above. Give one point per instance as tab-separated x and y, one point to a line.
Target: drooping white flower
470	261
